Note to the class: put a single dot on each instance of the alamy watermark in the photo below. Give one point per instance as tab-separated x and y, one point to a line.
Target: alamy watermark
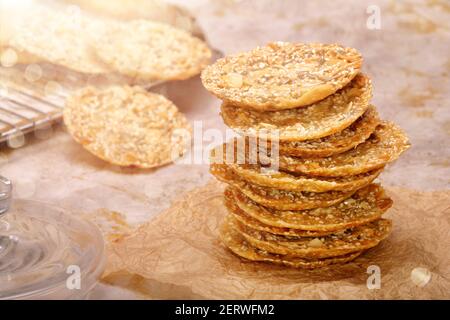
73	281
374	280
373	22
206	146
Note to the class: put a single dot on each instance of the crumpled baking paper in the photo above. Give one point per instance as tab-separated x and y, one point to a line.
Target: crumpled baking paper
178	255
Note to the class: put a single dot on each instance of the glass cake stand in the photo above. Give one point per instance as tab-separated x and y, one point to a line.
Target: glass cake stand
45	252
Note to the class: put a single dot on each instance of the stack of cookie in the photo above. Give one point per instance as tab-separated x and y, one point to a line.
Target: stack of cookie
300	189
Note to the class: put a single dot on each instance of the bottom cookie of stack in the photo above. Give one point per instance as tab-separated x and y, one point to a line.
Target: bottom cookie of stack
306	238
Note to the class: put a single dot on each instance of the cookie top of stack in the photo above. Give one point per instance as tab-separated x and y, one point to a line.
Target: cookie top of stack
282	75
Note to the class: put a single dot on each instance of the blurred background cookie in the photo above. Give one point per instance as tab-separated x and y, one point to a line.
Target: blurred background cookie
154	10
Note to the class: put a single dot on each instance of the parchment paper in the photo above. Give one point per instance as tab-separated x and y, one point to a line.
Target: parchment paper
178	255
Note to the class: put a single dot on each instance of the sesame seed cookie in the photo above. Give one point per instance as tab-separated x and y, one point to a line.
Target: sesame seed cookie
127	126
298	182
234	241
337	244
154	10
358	132
366	205
282	75
278	199
385	145
231	156
59	38
328	116
151	51
253	223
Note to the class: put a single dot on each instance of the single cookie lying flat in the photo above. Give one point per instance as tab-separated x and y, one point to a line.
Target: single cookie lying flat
282	75
127	126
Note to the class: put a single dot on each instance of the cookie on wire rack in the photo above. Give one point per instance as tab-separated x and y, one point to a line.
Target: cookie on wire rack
60	38
151	51
154	10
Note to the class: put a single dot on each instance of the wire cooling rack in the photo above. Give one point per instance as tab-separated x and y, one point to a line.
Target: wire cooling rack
27	105
22	112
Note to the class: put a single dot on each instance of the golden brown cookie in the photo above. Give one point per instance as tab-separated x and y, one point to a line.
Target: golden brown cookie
229	155
282	75
253	223
237	244
366	205
326	117
278	199
337	244
127	126
151	51
358	132
298	182
385	145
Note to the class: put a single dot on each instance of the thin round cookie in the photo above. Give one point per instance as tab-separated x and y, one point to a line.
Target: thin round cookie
358	132
234	241
253	223
385	145
326	117
230	155
278	199
366	205
154	10
282	75
58	37
338	244
11	19
127	126
298	182
152	51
